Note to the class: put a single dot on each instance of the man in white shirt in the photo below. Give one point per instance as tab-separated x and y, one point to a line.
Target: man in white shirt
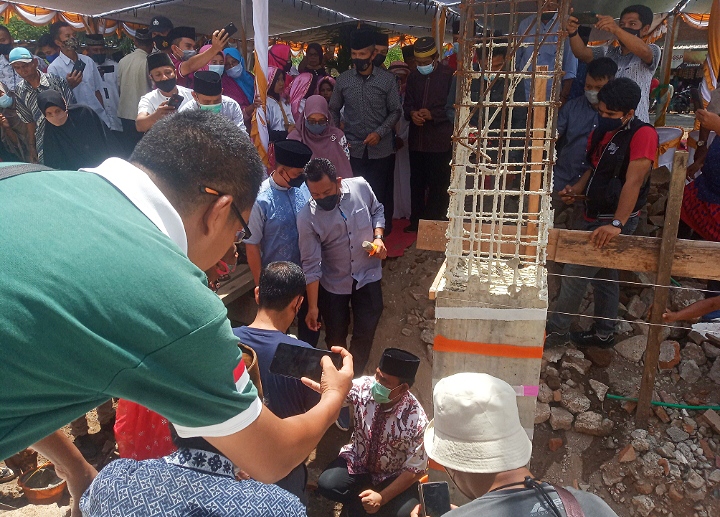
155	105
133	83
86	85
207	96
97	51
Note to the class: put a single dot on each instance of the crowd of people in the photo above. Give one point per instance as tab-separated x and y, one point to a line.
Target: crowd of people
159	180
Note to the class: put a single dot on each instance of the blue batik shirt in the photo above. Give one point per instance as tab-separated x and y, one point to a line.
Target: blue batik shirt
273	221
188	482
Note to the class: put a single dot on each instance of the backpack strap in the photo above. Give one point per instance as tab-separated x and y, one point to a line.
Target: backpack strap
571	504
21	168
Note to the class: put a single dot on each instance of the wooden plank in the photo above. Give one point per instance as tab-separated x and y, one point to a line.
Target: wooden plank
664	268
436	283
692	259
241	281
431	236
536	154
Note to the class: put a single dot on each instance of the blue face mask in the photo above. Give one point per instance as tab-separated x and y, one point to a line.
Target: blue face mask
426	69
316	129
5	101
218	69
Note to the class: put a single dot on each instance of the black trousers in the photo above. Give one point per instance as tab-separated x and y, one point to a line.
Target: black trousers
130	135
367	307
311	337
380	174
429	183
337	484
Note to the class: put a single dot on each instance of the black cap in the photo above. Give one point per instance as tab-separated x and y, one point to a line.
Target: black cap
160	24
399	363
291	153
157	60
143	35
207	83
181	32
362	38
382	39
94	40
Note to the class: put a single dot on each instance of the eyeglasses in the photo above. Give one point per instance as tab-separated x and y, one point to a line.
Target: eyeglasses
241	234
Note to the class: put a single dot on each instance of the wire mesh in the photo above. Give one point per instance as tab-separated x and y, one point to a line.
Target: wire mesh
506	112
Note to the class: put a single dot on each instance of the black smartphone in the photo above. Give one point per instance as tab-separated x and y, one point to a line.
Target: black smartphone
587	18
175	101
696	99
106	69
79	66
434	498
297	361
230	29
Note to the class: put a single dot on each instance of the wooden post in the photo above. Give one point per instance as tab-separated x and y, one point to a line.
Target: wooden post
665	261
666	60
245	21
538	149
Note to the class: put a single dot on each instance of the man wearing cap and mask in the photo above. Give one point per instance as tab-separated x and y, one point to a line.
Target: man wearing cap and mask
477	437
382	45
372	105
8	76
207	95
160	27
273	220
430	136
133	82
154	105
185	58
97	50
378	472
86	85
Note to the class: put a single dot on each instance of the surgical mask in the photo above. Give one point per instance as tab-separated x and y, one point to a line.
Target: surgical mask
5	101
316	129
235	71
98	58
361	65
71	43
328	203
592	96
378	60
634	32
380	393
187	54
167	85
297	182
489	77
426	69
608	124
212	108
5	48
218	69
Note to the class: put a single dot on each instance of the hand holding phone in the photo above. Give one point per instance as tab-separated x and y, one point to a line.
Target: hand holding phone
586	18
79	66
230	29
434	498
297	362
175	101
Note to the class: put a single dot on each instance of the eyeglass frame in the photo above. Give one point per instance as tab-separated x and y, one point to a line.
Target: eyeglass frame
241	235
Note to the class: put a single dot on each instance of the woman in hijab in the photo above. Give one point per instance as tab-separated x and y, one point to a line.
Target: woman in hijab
280	119
75	136
326	87
314	129
238	83
299	92
313	64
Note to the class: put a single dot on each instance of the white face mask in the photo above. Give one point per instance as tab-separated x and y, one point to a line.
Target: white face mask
235	71
592	96
218	69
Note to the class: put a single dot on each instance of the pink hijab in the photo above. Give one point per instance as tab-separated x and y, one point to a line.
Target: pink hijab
326	79
298	91
331	144
278	56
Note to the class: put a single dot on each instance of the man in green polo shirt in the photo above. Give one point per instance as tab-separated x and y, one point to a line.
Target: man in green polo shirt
119	305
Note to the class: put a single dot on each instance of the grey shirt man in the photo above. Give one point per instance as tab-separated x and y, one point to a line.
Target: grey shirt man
372	105
331	240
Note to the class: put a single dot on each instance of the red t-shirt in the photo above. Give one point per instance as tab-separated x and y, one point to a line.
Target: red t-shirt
644	144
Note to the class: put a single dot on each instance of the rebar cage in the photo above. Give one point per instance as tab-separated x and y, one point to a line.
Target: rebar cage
503	143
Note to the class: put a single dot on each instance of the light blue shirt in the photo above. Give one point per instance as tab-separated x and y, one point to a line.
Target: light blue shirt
546	53
91	82
273	221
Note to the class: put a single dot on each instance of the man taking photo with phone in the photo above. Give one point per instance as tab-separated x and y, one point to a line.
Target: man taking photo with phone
166	98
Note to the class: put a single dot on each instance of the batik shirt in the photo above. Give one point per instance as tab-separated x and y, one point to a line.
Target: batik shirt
385	443
188	482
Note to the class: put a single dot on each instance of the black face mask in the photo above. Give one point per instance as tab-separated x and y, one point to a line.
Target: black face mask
379	60
297	182
634	32
361	65
161	42
5	48
328	203
98	58
167	85
546	17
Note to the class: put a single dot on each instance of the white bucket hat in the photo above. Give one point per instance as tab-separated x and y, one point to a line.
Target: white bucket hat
476	427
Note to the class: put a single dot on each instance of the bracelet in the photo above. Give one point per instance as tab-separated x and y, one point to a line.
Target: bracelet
572	35
381	237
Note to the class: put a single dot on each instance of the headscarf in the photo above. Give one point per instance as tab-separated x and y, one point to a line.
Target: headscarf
272	75
278	56
330	144
401	70
246	81
82	141
326	79
299	91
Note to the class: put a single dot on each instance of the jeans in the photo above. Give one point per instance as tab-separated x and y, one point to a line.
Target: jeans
380	174
337	484
572	290
367	307
429	183
295	483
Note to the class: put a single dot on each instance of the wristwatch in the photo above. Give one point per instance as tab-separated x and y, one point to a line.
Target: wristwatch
617	224
378	236
701	143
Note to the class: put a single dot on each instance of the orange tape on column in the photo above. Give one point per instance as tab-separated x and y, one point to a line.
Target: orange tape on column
443	344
